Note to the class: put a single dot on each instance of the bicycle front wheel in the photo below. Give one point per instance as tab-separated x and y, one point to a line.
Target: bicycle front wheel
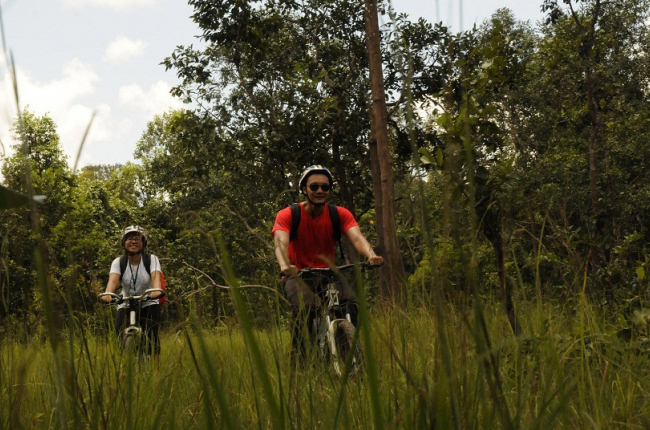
129	344
134	342
346	347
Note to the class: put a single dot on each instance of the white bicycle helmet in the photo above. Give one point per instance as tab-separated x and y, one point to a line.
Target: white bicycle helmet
135	229
311	170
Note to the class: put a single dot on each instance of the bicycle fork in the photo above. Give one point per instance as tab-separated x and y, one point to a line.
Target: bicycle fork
132	328
332	325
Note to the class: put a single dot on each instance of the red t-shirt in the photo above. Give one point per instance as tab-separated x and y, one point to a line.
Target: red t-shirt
315	245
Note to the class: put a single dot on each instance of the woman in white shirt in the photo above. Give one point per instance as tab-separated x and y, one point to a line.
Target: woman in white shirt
134	281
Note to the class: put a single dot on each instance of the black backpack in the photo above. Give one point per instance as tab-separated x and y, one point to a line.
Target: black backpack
146	259
296	214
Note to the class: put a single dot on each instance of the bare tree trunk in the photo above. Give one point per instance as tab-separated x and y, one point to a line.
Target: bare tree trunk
506	287
393	276
535	242
376	187
491	224
340	172
216	306
345	194
596	131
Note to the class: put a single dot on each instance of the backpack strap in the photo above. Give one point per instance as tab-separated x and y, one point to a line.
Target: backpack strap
123	262
336	221
296	213
146	258
336	227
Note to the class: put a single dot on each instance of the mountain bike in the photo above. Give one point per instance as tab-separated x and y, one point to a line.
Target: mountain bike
133	337
332	328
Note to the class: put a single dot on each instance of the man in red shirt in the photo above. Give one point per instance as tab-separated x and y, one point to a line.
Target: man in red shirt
314	246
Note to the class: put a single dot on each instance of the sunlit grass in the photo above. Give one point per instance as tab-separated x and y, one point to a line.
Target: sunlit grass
435	366
556	377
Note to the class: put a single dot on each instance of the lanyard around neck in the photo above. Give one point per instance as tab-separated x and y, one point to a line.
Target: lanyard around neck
134	279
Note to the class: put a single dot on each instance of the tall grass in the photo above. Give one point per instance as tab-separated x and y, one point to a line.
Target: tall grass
566	374
441	366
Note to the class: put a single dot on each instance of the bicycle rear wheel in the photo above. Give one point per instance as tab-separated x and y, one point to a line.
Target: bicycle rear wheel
345	345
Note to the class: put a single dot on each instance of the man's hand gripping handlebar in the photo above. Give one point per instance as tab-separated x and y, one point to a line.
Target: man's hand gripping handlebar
363	266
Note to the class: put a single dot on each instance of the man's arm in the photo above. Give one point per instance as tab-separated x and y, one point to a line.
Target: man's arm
281	242
362	246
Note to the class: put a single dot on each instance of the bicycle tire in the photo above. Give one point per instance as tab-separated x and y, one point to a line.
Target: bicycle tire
130	344
133	344
344	335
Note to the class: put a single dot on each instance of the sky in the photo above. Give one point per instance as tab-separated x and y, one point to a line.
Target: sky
79	58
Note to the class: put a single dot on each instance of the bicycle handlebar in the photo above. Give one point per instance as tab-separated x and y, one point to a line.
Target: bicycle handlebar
117	299
332	271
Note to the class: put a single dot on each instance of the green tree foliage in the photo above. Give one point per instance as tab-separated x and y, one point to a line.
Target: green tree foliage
535	139
38	154
77	227
286	85
37	166
289	83
473	150
87	238
586	152
285	82
545	136
201	192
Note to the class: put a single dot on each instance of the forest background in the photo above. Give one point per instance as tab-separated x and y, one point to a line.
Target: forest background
520	163
521	186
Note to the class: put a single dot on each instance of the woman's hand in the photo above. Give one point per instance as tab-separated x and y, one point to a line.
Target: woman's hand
107	299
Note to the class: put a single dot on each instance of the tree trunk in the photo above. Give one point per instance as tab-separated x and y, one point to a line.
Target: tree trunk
596	131
345	195
393	276
506	287
490	217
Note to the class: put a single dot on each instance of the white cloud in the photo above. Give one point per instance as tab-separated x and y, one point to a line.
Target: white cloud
78	79
122	49
59	99
114	129
109	4
154	102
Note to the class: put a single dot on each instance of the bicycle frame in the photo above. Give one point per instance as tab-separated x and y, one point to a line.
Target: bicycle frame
334	333
331	324
133	329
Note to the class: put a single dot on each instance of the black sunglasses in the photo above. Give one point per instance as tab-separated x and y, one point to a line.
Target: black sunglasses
315	187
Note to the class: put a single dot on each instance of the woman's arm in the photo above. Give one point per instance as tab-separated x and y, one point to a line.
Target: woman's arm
155	281
111	286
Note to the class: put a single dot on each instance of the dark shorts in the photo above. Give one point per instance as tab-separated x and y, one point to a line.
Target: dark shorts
303	294
304	301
